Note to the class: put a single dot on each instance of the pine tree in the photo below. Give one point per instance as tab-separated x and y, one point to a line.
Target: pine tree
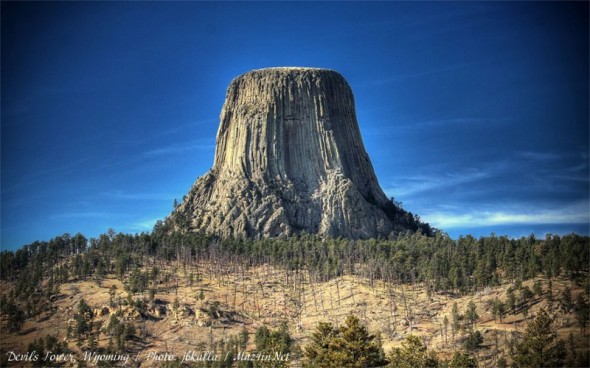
350	346
525	295
582	310
473	341
243	339
537	288
456	319
511	299
317	353
550	297
83	320
539	346
572	355
462	360
498	309
471	313
412	354
355	347
566	300
446	324
273	342
16	317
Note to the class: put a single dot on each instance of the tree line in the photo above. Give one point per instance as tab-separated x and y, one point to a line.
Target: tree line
441	263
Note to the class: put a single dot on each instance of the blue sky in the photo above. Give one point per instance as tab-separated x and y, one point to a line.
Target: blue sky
475	114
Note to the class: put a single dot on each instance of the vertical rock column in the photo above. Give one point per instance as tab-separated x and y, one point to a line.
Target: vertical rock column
289	159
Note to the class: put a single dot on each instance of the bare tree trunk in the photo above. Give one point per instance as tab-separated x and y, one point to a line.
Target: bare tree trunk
338	289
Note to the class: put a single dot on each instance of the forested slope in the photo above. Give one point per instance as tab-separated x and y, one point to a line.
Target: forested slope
470	296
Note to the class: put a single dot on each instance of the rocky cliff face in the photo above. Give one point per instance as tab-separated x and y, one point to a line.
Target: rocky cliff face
289	159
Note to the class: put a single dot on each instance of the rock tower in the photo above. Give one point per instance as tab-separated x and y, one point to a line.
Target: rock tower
289	159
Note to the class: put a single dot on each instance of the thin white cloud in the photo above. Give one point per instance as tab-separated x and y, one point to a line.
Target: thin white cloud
438	123
444	122
574	214
144	225
117	194
59	169
183	147
184	129
572	178
187	126
422	73
539	156
577	168
413	185
86	214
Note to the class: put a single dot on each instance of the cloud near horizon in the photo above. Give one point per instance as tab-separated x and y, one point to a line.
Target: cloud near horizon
577	213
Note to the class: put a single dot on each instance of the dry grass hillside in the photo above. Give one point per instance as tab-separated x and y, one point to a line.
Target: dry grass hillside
194	308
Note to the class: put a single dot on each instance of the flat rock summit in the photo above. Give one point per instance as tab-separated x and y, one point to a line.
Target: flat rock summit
290	159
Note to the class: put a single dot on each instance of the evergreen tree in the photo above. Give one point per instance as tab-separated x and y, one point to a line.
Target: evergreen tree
498	309
473	340
539	346
243	339
471	313
582	311
572	355
273	342
16	317
350	346
511	299
446	324
354	347
525	295
412	354
456	319
317	353
118	331
83	320
550	298
537	288
567	302
462	360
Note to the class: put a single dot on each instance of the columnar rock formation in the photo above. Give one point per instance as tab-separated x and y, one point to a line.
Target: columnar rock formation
289	159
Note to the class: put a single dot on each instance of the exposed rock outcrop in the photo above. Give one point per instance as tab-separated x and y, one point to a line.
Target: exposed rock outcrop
289	159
